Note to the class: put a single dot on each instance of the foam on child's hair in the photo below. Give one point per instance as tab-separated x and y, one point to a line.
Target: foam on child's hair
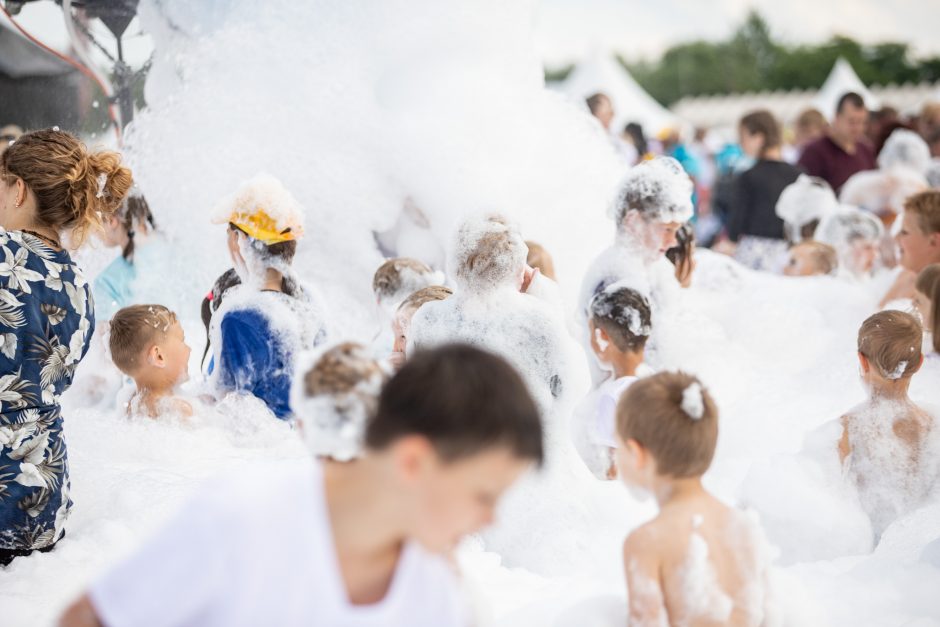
659	188
693	401
261	192
905	149
628	317
488	252
805	200
333	422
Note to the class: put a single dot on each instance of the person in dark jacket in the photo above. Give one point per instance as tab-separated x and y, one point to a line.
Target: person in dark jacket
753	223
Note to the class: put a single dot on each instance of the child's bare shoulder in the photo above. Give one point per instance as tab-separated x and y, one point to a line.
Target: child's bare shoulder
656	540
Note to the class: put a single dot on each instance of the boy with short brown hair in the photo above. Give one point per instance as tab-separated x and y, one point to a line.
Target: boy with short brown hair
147	344
885	439
699	561
364	543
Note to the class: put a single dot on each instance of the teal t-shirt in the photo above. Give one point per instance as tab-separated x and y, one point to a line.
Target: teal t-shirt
113	288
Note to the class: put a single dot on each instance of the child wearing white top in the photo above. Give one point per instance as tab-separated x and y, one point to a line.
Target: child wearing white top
620	325
356	543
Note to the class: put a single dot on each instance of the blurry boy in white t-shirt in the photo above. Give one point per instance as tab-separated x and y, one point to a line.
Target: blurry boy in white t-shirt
358	543
620	324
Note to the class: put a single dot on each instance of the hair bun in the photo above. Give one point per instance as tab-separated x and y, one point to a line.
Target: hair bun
74	187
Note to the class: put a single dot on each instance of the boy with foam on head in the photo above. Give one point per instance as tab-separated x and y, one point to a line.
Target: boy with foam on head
699	562
489	310
811	258
334	400
401	323
147	344
360	543
889	444
654	201
620	325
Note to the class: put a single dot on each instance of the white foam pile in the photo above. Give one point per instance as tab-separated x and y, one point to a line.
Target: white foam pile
356	108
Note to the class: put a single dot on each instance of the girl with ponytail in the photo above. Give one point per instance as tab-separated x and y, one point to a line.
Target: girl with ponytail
267	320
51	186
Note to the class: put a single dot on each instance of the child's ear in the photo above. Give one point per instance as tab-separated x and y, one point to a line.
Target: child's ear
919	364
155	357
637	453
864	363
412	455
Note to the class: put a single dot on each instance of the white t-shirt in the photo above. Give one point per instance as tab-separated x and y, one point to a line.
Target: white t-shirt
258	550
594	425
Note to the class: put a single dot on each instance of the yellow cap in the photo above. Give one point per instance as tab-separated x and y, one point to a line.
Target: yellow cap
262	227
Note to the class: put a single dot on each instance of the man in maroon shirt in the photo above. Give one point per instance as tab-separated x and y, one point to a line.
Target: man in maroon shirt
843	152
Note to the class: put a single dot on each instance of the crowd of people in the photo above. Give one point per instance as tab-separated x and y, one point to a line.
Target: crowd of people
415	437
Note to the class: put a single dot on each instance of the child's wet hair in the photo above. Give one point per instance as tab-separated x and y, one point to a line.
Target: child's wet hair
213	300
133	213
675	418
657	189
425	295
891	341
334	400
464	400
624	314
133	330
390	279
681	254
489	252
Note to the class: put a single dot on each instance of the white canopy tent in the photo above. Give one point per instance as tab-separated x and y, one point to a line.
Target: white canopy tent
601	72
842	79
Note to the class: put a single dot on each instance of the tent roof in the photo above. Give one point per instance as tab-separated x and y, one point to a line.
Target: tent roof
842	79
601	72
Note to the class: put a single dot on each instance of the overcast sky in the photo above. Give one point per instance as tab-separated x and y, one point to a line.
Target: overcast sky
567	29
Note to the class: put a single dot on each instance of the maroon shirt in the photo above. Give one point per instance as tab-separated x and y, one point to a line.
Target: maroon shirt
827	160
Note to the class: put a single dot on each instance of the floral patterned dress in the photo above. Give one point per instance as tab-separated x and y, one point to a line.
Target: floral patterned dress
46	323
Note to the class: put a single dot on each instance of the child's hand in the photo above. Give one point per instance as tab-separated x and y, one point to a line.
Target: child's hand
528	276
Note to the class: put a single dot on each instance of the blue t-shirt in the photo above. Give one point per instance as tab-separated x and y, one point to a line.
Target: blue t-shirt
253	359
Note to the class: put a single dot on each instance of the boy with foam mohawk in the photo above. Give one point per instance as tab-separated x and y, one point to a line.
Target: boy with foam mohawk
890	446
654	201
699	562
488	309
270	317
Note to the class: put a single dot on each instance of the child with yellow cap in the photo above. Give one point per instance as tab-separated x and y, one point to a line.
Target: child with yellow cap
270	317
